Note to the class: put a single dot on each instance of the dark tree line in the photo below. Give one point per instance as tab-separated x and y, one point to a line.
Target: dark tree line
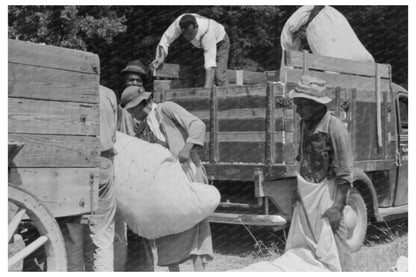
122	33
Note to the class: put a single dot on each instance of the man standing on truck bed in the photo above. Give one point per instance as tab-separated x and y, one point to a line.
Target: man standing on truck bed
90	247
173	127
326	163
203	33
326	31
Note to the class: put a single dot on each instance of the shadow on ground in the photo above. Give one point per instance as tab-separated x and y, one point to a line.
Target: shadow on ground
239	241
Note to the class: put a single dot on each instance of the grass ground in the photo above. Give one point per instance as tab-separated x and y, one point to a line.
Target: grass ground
235	247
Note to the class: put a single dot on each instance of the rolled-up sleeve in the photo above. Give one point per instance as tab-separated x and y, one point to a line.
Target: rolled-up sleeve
343	156
210	49
169	36
192	124
287	38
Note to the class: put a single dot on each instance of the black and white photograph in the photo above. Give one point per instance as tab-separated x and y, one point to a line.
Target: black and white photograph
211	137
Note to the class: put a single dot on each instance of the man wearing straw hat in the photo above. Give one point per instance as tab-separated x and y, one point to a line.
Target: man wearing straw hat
173	127
325	173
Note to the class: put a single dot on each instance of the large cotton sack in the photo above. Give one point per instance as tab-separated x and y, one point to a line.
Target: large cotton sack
328	34
153	193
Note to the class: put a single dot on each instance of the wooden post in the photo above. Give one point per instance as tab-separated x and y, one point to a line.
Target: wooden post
213	130
239	78
305	62
338	101
353	124
378	103
270	142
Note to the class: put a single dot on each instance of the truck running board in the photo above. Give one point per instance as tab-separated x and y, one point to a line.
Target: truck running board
248	219
393	212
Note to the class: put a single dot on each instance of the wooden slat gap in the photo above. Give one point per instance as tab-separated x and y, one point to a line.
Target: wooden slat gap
50	134
53	100
55	68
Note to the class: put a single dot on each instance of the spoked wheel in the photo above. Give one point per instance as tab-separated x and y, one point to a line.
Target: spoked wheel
50	237
358	214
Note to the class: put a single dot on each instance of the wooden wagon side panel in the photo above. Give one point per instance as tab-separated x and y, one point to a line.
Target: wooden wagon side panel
63	190
53	110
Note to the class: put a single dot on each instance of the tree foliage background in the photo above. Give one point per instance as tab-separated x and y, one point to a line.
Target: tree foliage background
119	34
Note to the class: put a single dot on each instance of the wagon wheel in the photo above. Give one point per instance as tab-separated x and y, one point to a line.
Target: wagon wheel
50	235
357	232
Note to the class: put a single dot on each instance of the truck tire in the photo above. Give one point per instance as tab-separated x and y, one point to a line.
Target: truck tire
356	234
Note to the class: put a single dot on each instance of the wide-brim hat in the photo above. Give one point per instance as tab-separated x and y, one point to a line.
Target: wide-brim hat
132	96
311	88
135	66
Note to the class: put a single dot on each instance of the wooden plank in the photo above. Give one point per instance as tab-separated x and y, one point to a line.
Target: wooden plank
52	117
242	125
247	90
325	63
248	77
56	151
192	104
242	137
172	94
239	77
249	113
242	102
36	82
248	151
29	53
244	171
174	71
256	89
338	80
64	191
250	136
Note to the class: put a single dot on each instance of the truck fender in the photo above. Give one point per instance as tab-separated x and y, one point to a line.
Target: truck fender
360	179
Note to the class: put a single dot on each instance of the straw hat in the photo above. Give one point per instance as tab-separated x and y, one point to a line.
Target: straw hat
132	96
311	88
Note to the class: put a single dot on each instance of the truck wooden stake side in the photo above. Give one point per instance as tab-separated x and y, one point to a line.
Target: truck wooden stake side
253	134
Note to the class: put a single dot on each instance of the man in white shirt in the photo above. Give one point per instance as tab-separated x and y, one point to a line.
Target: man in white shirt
326	31
203	33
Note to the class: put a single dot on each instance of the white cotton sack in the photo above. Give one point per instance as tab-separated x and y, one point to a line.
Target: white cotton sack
154	196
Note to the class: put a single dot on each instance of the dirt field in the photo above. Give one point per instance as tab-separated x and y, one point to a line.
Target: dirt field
235	247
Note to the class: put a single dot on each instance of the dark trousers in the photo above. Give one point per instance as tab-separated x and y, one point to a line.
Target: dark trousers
139	253
223	49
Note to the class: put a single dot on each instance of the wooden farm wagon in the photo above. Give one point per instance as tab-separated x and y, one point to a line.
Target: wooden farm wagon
53	129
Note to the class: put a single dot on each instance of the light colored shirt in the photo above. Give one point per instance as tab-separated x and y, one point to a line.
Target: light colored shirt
328	34
180	126
209	33
153	122
126	122
108	118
